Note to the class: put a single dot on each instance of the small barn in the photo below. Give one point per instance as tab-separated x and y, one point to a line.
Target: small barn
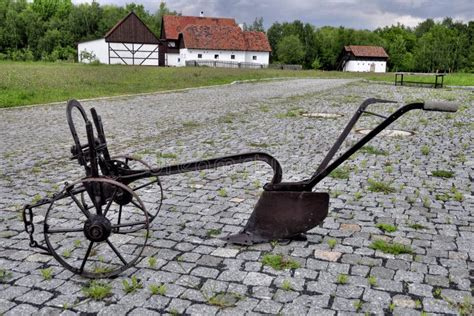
356	58
129	42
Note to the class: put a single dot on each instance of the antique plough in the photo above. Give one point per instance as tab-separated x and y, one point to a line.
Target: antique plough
98	226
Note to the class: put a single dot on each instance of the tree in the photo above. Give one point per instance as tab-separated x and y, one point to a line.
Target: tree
256	26
290	50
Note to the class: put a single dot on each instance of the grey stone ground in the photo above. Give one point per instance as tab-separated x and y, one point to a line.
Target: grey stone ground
350	278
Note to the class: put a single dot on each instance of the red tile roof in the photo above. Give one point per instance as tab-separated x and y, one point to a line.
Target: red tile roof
219	37
366	51
174	24
257	41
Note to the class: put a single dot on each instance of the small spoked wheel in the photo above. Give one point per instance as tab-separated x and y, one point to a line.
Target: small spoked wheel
96	227
151	191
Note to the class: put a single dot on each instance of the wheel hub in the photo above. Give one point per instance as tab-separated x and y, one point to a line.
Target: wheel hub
97	228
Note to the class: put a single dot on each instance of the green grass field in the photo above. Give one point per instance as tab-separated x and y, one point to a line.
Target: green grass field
23	83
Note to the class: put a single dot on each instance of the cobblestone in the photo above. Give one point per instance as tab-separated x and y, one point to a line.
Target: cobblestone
193	264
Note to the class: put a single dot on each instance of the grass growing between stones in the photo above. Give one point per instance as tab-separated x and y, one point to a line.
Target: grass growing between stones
286	285
97	290
223	300
47	273
388	228
5	275
213	232
158	289
133	286
442	174
373	151
417	226
279	262
379	186
341	173
342	279
392	248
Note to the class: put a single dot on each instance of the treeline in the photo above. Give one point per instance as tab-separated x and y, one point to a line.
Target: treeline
50	30
445	46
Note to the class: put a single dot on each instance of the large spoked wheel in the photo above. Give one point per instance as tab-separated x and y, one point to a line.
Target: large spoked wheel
151	191
101	234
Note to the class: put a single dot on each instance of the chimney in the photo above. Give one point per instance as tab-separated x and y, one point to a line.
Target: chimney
201	14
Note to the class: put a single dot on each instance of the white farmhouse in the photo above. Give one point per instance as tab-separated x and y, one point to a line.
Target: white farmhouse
363	59
211	41
129	42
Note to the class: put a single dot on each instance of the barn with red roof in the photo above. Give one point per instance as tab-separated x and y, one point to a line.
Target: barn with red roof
358	58
208	39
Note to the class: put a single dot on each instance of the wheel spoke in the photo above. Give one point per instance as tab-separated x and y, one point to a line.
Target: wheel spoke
129	224
64	230
86	257
144	185
117	252
139	207
110	202
81	207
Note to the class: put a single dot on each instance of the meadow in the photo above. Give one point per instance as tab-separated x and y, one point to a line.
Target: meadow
27	83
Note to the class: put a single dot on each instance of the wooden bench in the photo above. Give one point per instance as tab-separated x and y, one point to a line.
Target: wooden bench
439	78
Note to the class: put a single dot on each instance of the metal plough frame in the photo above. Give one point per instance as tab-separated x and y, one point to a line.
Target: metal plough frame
109	215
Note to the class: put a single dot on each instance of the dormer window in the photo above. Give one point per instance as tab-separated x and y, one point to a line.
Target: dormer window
171	44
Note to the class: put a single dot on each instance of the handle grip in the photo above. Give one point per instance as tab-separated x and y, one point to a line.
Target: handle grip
441	106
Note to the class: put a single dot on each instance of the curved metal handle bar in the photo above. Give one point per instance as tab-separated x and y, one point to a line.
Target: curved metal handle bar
132	175
71	104
348	129
308	184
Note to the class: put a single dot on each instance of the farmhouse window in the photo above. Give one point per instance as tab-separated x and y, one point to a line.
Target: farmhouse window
199	55
254	57
232	56
216	56
171	44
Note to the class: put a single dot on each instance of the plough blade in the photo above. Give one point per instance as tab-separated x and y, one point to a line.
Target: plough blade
282	215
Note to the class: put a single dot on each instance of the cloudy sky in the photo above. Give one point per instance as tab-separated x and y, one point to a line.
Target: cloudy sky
358	14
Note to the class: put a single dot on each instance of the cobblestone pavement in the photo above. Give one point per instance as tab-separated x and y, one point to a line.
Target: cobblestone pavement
427	205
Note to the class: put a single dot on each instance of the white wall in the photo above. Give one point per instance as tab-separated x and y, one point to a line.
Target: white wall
173	60
146	54
262	57
97	47
364	66
100	49
224	55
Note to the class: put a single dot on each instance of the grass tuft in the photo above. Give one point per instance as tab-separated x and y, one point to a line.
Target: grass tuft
341	173
373	151
442	174
158	289
392	248
133	286
47	273
388	228
97	290
223	300
378	186
279	262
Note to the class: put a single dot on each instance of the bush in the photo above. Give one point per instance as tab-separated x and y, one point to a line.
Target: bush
316	64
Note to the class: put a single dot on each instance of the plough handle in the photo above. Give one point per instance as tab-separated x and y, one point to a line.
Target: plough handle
308	184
